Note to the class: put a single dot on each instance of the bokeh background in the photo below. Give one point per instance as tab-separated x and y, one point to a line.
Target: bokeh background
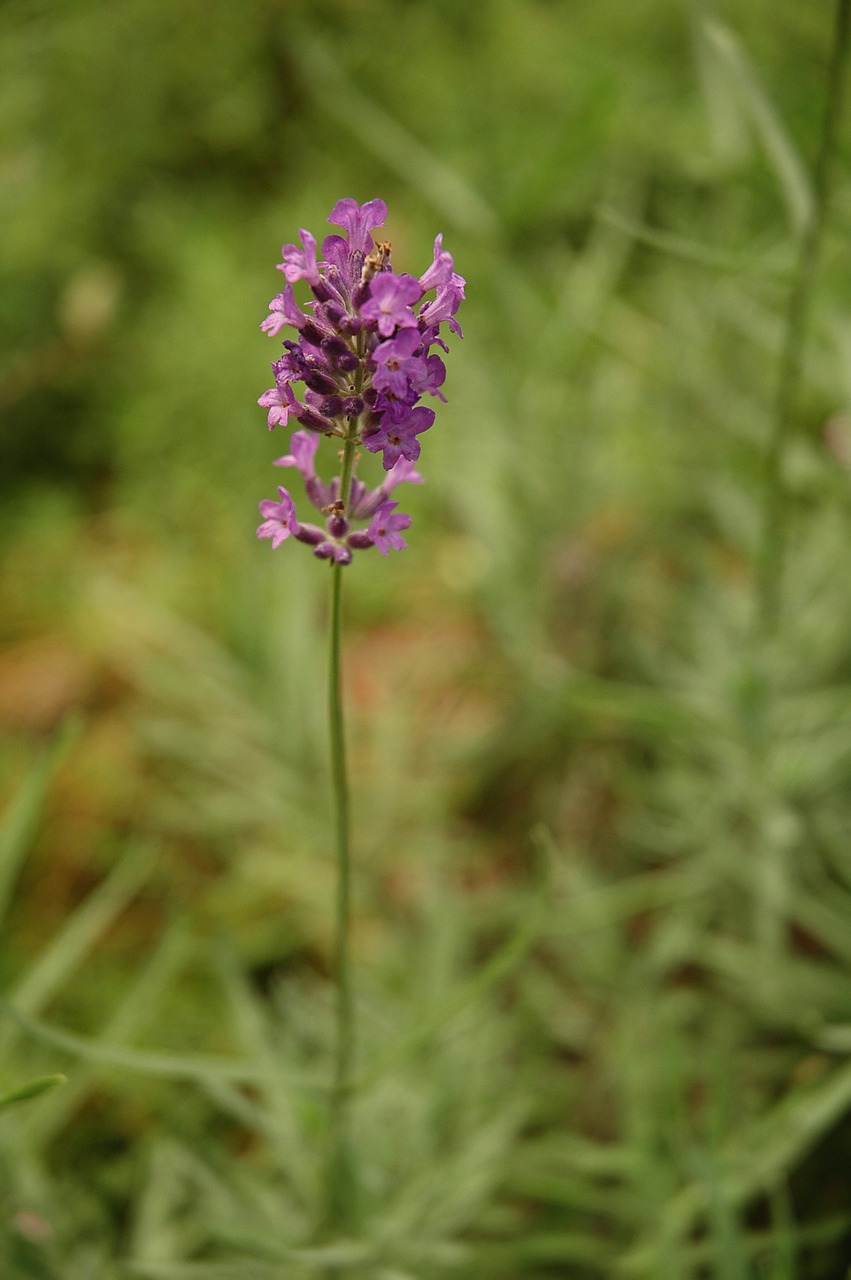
603	870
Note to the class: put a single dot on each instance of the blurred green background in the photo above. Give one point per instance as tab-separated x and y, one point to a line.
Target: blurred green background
603	869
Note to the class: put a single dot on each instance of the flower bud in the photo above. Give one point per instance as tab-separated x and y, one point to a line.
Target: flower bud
308	417
333	551
311	534
319	381
340	354
331	407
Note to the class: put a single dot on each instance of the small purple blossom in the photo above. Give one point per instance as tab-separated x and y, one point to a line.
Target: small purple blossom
278	518
358	220
364	358
303	448
280	402
396	366
390	300
396	435
367	503
403	472
300	264
283	310
449	297
440	271
429	375
384	528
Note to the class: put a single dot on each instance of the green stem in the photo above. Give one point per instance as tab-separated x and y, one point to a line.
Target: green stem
348	454
339	1180
341	1212
773	537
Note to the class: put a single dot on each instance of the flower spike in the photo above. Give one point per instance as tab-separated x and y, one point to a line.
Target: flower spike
362	351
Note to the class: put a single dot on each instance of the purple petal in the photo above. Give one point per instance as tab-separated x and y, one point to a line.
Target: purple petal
389	302
303	448
358	220
300	264
384	528
440	271
279	518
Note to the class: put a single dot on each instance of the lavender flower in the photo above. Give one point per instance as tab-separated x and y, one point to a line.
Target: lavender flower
389	302
280	519
362	352
384	528
396	434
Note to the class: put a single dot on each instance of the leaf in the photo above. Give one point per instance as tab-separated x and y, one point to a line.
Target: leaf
761	1158
790	171
82	930
21	822
31	1089
174	1065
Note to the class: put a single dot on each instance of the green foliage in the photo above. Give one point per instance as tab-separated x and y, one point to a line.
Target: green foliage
602	882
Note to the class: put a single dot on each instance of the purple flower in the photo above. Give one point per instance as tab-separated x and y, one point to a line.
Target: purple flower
300	264
397	367
337	254
303	448
283	311
278	518
397	432
280	402
364	359
367	502
402	472
292	366
429	376
440	271
384	528
389	302
357	220
449	297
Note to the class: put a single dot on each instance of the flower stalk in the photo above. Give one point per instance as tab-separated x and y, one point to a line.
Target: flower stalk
363	353
340	1206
